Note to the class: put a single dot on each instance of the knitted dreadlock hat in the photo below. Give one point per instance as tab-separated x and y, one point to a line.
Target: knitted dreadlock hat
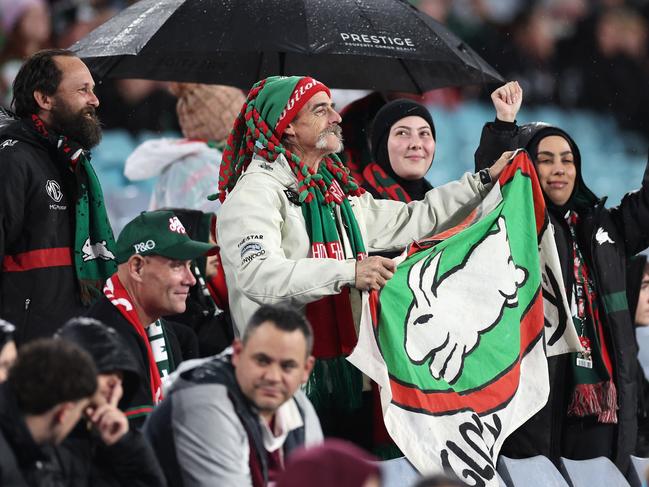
206	111
271	105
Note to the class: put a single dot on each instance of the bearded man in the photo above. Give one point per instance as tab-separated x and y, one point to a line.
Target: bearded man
56	244
296	228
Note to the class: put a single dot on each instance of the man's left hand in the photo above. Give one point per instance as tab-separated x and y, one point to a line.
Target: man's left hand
110	422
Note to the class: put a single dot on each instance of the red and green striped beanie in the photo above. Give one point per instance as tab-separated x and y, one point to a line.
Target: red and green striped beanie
282	99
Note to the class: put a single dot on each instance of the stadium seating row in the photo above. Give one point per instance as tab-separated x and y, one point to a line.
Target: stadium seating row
538	471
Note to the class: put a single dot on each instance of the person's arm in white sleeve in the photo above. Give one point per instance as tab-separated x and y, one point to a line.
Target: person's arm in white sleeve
250	241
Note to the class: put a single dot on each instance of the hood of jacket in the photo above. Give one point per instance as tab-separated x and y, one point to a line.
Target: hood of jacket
106	347
6	117
19	129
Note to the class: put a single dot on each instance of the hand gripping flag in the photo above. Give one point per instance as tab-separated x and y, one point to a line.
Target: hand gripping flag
457	339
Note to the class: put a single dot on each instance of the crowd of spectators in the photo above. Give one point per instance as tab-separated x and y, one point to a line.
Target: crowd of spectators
127	357
568	53
540	43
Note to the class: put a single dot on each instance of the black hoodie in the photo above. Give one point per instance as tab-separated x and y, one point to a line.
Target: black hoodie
86	460
605	237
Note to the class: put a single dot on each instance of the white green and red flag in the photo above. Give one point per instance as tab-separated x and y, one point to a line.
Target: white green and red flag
457	339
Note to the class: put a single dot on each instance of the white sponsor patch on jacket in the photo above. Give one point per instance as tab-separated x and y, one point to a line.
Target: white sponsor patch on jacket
251	247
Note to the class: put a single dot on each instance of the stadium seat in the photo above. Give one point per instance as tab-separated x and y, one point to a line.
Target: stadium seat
529	472
114	148
639	467
398	472
593	472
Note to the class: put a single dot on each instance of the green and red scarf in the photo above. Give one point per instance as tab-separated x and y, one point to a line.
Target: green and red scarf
594	390
94	243
376	177
271	105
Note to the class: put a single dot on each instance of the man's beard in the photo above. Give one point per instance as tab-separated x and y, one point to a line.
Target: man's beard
321	143
77	126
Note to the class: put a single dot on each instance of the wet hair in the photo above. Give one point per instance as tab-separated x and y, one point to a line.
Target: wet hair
49	372
38	73
283	318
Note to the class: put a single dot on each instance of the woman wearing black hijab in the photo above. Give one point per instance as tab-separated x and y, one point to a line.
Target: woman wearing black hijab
591	410
403	147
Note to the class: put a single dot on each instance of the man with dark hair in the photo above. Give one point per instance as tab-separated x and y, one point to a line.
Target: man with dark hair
232	419
48	389
153	279
56	244
284	318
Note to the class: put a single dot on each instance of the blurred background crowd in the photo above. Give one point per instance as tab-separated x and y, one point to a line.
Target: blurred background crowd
600	97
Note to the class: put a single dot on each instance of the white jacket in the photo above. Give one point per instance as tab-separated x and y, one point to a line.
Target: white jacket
265	246
187	172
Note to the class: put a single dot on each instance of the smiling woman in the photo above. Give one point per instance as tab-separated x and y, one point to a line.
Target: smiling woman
403	147
592	407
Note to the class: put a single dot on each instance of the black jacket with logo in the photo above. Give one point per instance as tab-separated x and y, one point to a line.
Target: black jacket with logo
38	285
606	237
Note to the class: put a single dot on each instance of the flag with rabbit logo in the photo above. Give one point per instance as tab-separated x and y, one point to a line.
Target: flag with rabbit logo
455	340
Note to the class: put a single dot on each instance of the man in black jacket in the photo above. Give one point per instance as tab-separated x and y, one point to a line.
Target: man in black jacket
56	244
48	389
153	280
591	410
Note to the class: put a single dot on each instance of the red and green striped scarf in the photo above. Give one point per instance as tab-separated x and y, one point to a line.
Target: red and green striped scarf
594	390
384	185
333	382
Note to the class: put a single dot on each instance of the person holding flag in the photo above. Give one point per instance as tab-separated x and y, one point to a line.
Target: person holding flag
296	228
591	410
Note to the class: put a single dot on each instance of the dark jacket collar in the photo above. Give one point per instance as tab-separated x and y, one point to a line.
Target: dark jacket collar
15	431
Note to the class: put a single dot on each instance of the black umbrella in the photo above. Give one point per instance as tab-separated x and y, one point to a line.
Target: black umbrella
365	44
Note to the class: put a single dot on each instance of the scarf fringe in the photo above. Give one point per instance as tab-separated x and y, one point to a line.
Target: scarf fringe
335	384
595	399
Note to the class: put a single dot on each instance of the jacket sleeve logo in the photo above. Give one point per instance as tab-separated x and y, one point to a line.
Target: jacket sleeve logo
603	237
251	247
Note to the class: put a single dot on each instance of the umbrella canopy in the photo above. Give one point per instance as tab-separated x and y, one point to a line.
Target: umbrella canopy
362	44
